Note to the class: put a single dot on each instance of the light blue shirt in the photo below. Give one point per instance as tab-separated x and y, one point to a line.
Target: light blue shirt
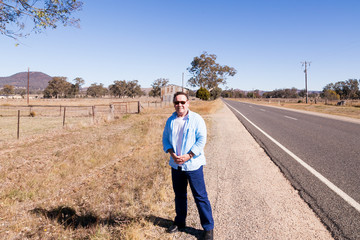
194	140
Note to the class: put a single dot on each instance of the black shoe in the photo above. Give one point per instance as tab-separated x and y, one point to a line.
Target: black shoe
175	228
209	235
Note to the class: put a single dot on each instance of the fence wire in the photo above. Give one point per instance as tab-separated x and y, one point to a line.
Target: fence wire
28	120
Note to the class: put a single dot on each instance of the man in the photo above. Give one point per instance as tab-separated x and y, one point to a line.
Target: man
184	138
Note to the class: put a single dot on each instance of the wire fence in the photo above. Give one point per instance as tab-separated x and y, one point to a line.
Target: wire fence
25	120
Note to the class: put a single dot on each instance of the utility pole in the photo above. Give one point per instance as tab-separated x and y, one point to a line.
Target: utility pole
182	86
28	84
305	71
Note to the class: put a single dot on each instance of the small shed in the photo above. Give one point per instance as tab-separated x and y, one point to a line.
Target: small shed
168	91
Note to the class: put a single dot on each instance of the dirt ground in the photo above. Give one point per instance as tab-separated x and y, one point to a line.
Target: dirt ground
250	197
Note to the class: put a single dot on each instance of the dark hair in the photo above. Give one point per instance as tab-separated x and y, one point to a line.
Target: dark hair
180	93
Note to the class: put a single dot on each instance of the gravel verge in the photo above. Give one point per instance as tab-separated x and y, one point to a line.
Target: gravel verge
250	197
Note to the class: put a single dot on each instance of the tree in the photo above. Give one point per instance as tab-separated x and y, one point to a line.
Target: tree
119	88
43	14
206	73
78	82
21	92
126	89
134	89
282	93
215	93
203	94
8	90
348	89
96	90
233	93
57	87
157	85
330	95
250	95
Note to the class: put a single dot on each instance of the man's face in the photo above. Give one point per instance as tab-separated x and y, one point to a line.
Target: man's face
181	105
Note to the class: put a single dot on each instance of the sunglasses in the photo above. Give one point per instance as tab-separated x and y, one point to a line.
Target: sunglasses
178	102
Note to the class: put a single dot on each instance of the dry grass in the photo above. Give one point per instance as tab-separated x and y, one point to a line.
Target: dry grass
104	181
346	111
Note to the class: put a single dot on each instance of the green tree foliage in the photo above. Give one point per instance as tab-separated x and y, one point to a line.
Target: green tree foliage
157	85
203	94
215	93
250	95
348	89
282	93
330	95
75	88
8	90
134	89
58	87
14	14
233	93
207	73
96	90
126	89
253	94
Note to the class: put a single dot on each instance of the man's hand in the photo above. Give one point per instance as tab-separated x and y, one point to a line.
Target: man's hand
179	159
182	159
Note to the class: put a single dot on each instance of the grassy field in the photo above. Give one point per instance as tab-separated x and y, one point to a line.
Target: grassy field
105	180
346	111
48	114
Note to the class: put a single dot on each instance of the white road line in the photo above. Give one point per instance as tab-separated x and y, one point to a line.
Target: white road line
291	118
332	186
262	110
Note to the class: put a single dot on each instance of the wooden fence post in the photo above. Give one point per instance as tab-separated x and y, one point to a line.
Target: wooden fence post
138	106
93	113
64	116
112	111
18	125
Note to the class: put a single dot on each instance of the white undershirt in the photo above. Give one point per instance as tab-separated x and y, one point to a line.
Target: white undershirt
178	131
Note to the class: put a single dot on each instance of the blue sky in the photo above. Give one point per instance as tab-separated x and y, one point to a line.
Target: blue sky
264	40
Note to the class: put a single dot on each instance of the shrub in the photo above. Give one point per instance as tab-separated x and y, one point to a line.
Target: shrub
32	114
203	94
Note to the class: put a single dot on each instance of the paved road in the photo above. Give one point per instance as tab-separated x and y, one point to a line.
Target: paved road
320	156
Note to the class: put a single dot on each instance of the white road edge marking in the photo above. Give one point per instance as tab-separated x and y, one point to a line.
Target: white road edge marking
262	110
291	118
332	186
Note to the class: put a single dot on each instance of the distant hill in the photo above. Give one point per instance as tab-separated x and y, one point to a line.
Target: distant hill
38	80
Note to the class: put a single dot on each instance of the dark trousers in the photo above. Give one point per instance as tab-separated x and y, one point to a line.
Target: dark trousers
195	178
